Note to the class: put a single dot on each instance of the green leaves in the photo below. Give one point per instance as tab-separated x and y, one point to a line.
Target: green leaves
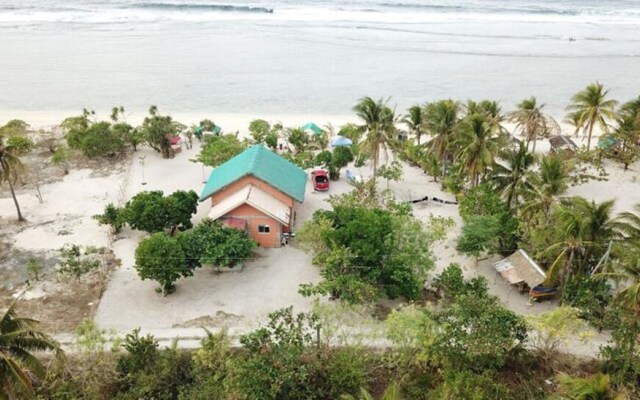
219	149
161	258
153	212
366	253
211	243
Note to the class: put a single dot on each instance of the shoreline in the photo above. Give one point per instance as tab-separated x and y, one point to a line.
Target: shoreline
229	122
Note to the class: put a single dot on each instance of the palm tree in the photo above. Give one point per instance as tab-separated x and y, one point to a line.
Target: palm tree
414	121
509	178
10	169
591	108
545	186
627	269
18	367
594	387
379	125
532	122
585	229
440	121
477	146
298	138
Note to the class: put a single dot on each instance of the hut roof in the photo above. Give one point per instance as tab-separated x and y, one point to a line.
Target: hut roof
518	268
560	141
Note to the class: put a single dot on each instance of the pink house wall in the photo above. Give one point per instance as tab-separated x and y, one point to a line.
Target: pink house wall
255	218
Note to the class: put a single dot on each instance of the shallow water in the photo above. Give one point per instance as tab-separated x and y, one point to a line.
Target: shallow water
310	57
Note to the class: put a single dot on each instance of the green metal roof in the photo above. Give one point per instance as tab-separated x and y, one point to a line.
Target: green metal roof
263	164
310	126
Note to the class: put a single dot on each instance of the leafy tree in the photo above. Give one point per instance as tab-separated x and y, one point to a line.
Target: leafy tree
480	234
476	333
10	169
219	149
335	161
367	252
19	368
392	172
591	107
533	123
157	130
153	212
489	224
379	124
211	243
112	216
259	130
161	258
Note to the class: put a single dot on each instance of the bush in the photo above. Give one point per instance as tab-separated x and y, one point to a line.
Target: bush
74	263
469	386
274	368
21	144
451	283
591	296
142	351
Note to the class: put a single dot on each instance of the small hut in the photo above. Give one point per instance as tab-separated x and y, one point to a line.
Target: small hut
562	142
520	270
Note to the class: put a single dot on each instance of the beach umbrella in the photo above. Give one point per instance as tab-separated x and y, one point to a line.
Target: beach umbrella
338	141
310	126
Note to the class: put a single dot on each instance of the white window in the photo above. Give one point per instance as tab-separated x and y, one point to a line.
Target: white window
263	229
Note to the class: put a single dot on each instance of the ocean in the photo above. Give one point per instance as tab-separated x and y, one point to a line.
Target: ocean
313	57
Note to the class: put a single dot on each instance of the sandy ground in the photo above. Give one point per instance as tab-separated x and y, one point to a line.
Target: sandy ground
270	279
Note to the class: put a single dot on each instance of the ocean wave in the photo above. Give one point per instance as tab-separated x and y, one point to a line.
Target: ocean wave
201	7
469	8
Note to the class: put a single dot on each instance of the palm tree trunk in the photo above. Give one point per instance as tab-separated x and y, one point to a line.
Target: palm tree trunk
590	132
15	200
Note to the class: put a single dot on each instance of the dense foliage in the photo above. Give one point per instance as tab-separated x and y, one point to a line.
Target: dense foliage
364	253
153	212
217	150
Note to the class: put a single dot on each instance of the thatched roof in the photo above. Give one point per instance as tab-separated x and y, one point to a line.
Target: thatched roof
560	141
518	268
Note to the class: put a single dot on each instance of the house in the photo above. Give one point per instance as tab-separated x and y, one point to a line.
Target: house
520	270
560	142
259	191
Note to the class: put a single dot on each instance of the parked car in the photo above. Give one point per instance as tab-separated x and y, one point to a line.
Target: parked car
320	179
